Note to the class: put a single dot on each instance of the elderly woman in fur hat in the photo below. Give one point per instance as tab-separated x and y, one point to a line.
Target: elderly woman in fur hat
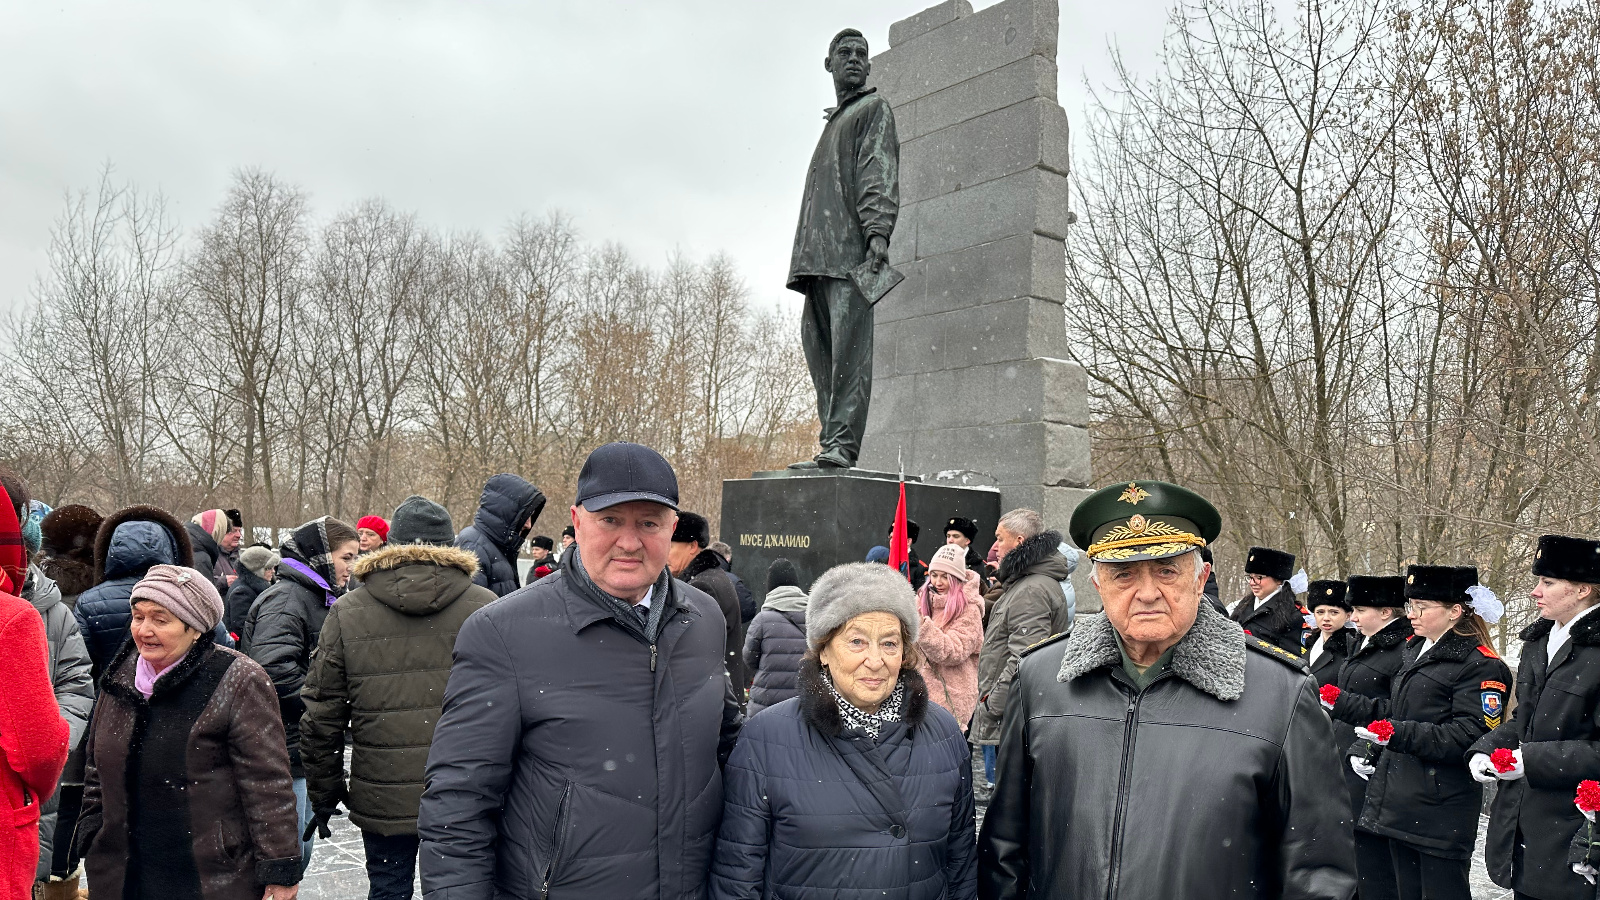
858	784
188	794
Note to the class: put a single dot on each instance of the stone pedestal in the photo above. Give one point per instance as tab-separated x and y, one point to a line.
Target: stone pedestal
968	370
822	518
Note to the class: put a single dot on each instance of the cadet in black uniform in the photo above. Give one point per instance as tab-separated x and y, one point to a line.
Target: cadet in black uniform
1271	612
1554	732
1329	644
1450	691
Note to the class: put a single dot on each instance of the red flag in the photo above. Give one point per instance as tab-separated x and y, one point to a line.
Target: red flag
899	544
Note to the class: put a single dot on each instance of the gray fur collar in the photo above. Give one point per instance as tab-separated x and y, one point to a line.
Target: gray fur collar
1210	657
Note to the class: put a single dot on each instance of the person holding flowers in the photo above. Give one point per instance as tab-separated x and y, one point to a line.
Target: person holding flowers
1449	692
1553	738
1364	679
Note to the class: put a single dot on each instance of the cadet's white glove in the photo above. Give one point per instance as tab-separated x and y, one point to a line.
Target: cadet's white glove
1586	870
1362	767
1516	771
1481	768
1366	735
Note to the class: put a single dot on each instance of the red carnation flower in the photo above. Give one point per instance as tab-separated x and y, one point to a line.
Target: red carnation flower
1504	760
1329	694
1383	728
1589	796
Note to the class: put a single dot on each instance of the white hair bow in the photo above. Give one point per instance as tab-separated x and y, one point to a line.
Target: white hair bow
1486	604
1299	582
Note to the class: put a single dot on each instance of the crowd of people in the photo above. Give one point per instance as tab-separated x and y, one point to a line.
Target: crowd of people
185	715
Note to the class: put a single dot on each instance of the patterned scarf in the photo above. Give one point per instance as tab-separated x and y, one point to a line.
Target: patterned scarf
308	546
871	723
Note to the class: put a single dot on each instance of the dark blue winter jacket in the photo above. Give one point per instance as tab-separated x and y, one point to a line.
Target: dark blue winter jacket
799	822
496	534
130	541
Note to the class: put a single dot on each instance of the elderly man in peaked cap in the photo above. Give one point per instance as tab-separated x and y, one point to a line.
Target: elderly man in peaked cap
587	716
1155	750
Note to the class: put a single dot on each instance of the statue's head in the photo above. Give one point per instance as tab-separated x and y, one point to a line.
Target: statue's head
848	60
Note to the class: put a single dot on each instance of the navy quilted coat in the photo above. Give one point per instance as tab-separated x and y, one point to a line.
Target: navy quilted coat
798	823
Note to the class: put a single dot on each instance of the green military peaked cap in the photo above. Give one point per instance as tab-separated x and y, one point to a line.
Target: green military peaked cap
1143	520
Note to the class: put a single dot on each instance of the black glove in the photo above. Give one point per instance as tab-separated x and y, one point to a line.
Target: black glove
319	823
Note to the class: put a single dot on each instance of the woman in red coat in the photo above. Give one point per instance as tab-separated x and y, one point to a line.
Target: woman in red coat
33	736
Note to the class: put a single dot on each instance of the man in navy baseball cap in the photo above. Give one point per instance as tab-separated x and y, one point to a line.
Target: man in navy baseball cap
624	473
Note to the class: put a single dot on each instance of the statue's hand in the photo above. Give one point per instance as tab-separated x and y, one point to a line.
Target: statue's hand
878	249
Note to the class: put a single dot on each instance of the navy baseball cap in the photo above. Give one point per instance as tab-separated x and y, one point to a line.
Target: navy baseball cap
622	473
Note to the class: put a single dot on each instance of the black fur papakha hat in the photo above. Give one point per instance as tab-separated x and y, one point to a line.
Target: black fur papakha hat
1568	558
1270	563
1377	590
1327	593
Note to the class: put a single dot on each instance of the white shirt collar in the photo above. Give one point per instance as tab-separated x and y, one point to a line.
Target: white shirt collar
1426	646
1559	634
1318	648
645	603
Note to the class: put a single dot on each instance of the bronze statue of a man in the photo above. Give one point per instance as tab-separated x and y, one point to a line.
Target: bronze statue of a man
846	219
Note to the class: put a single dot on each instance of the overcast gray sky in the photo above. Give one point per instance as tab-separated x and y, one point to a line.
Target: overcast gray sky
662	125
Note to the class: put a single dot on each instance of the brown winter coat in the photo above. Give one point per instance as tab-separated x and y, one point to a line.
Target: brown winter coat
188	794
950	653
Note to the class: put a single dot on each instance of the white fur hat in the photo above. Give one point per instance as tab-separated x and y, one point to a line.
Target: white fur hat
844	592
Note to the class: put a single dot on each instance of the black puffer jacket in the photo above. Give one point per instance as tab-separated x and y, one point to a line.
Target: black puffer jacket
1217	781
206	554
1422	793
1364	679
237	602
281	633
496	534
1277	620
774	647
705	572
575	758
800	821
1557	726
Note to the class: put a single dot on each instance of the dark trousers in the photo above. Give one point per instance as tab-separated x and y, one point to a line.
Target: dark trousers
391	865
1375	868
836	332
1420	876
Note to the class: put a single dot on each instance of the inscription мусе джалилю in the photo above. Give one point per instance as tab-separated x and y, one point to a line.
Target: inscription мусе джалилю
798	541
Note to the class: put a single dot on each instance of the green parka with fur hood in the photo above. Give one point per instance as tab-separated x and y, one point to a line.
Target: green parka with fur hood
380	671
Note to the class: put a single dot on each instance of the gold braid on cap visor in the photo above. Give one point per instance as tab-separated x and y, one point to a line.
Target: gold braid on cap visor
1139	533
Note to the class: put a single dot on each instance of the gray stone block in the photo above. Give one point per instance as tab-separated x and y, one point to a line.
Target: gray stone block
1064	387
1032	201
997	394
1012	330
927	20
1030	453
1025	79
903	244
966	48
1006	141
1024	265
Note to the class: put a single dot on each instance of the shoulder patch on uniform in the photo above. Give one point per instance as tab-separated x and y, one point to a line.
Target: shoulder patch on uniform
1488	651
1267	648
1492	686
1046	642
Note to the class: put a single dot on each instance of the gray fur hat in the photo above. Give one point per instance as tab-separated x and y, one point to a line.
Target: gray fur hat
844	592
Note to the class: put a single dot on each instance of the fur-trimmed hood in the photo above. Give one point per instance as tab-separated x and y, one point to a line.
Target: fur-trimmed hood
417	579
67	551
821	713
1038	555
1211	656
137	550
1585	632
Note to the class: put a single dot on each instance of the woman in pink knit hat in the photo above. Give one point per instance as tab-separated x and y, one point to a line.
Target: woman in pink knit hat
187	792
952	632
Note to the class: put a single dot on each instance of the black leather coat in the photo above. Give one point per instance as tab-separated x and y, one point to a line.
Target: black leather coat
1277	620
1365	676
1422	793
1217	781
1557	725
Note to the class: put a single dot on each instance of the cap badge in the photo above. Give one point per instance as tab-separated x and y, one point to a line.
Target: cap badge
1137	524
1133	494
1411	579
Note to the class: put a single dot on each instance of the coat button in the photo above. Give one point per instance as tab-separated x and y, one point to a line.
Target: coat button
897	832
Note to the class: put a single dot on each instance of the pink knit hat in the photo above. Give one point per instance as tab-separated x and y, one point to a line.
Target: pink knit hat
184	592
949	559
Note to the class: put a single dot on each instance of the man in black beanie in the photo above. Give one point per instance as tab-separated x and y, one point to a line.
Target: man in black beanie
692	560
